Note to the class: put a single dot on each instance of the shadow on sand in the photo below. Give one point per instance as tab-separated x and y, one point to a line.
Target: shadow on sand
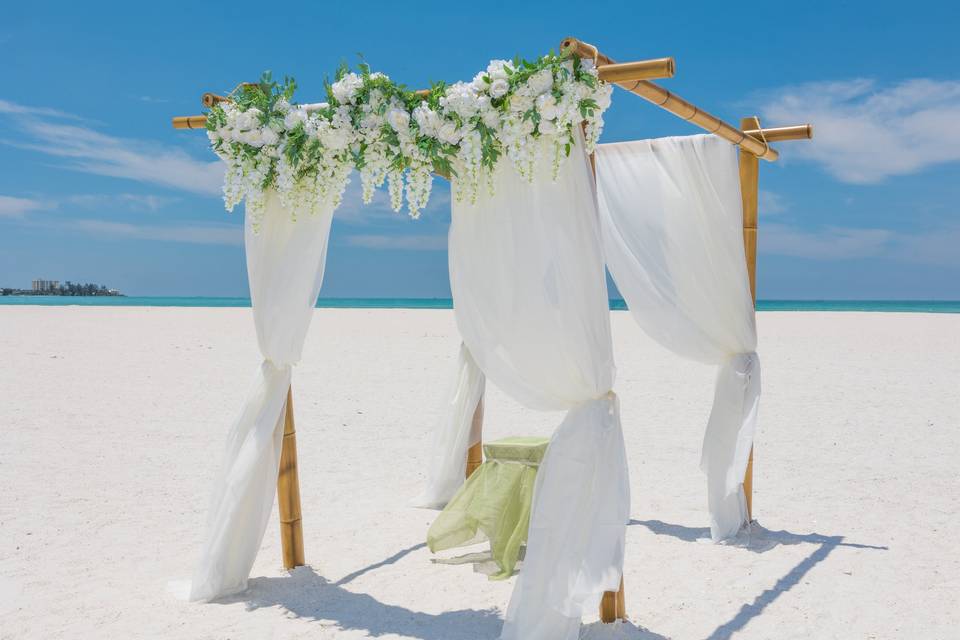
758	539
308	595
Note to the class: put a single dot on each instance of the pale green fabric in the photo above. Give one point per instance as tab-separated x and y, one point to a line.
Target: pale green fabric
494	503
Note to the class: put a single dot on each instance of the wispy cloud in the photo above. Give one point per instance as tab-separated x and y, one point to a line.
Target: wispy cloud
402	242
866	132
193	234
11	207
84	149
771	203
932	246
829	243
12	108
136	201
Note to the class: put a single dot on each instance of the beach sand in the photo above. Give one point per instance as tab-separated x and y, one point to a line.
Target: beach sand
113	420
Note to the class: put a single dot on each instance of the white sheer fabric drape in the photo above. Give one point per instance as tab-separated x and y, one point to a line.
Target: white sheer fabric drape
453	435
672	218
530	299
285	262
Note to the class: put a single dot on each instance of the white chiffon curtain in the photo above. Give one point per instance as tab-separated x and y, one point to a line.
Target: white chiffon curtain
285	262
530	299
671	218
454	434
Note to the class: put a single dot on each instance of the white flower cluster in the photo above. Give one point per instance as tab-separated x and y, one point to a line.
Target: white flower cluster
307	152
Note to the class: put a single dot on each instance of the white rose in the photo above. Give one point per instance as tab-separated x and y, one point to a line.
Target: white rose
480	81
541	82
499	88
269	136
547	106
497	69
399	120
520	103
346	87
253	138
491	118
294	117
449	133
547	127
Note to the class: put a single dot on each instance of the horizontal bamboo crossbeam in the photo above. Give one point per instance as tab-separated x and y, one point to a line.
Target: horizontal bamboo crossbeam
189	122
677	105
779	134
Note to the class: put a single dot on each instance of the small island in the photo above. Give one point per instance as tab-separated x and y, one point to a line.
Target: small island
54	288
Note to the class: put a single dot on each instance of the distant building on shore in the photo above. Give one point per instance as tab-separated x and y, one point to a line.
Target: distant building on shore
42	287
45	286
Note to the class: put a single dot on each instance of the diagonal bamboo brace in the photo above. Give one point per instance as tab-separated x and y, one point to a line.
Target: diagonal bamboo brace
288	493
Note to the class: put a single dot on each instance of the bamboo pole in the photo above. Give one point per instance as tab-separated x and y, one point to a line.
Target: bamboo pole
778	134
678	106
749	193
288	493
613	606
475	452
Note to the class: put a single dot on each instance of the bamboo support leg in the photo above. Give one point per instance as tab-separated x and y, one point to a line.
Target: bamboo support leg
749	192
613	606
475	452
288	493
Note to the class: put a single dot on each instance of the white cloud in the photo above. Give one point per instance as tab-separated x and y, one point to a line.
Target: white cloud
865	132
408	243
90	151
11	207
140	202
771	203
931	246
11	108
830	243
193	234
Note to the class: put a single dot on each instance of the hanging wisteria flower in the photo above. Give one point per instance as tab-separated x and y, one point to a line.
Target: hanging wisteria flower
517	109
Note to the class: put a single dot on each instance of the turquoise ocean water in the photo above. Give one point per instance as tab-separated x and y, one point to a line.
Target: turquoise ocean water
917	306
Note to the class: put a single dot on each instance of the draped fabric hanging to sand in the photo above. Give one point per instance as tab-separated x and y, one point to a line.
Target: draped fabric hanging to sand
530	299
671	218
285	263
454	434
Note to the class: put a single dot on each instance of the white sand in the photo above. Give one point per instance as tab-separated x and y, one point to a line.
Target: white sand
113	417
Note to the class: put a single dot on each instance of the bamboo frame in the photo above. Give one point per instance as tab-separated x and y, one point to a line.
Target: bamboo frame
288	493
749	194
475	452
677	105
754	143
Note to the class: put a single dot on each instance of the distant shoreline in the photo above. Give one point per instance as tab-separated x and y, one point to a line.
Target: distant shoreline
902	306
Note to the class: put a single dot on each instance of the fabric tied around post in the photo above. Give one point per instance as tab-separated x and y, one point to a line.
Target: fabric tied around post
285	265
575	543
672	223
728	440
530	298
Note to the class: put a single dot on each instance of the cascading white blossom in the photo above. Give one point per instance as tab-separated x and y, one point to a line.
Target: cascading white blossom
306	153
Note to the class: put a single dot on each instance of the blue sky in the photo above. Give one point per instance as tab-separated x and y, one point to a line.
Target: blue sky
96	186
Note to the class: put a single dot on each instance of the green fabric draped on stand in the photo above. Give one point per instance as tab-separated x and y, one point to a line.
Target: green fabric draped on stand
494	503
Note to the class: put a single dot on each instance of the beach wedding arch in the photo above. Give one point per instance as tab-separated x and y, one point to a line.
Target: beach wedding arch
540	215
388	133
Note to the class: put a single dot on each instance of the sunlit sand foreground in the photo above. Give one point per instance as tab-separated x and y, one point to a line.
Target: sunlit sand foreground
113	420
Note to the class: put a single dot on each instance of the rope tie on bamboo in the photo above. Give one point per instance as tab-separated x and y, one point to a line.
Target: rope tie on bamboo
763	138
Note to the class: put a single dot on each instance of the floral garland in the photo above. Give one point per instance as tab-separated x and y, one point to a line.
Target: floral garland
387	133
